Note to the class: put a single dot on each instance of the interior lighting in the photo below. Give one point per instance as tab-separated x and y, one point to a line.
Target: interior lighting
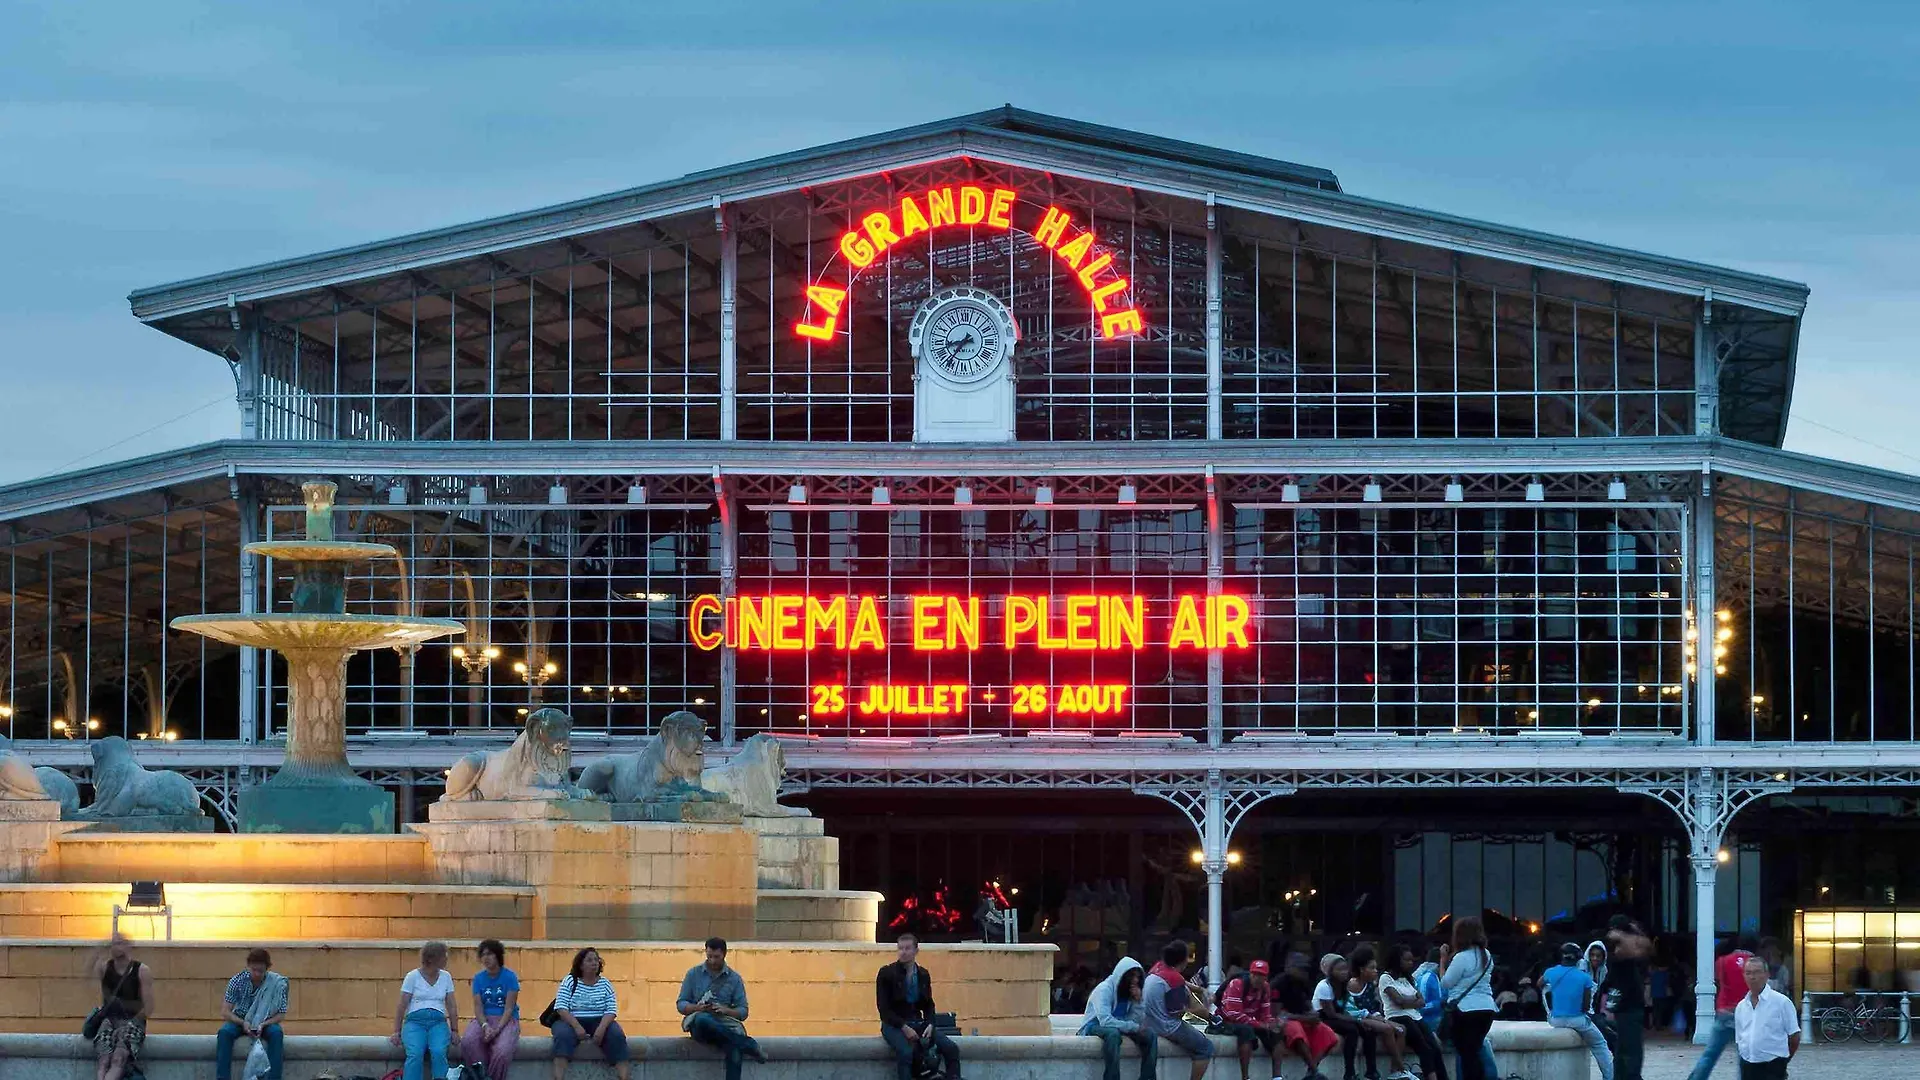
1199	856
1043	495
170	735
1759	700
59	725
882	495
699	701
6	712
93	724
1723	856
797	494
637	495
586	689
1593	703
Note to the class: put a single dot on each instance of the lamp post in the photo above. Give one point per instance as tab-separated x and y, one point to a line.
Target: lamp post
535	674
475	659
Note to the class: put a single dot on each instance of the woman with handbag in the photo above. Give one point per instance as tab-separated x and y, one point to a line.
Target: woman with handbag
118	1027
1467	984
583	1011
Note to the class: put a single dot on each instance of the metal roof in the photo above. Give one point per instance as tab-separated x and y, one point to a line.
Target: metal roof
1015	137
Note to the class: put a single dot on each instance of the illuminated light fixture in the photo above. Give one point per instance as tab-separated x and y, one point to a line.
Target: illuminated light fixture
170	735
1533	928
557	494
1759	700
6	712
1593	703
1199	856
1289	493
1129	494
1370	493
59	725
699	701
619	689
882	495
962	495
1536	491
1719	669
586	689
1779	776
93	725
1233	858
477	495
637	495
1533	714
1456	493
1824	890
1723	615
1617	490
797	494
397	495
1723	856
1043	495
522	712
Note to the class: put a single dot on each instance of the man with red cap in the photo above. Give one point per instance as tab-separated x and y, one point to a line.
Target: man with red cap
1246	1009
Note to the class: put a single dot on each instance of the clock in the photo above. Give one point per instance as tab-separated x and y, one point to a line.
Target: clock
963	334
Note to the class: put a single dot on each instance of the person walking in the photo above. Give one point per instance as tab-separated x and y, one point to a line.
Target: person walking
1629	950
1765	1029
428	1011
493	1034
713	1008
903	993
1469	971
1113	1015
254	1005
1569	998
1729	986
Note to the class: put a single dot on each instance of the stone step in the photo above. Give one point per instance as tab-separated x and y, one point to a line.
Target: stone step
249	912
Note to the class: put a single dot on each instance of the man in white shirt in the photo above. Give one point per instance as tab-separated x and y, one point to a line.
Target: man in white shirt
1765	1028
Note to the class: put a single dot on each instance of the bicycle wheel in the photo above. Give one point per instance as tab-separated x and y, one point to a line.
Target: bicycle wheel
1836	1024
1876	1027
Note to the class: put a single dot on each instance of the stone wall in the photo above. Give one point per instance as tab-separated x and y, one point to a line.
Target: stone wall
26	848
250	912
795	853
226	857
353	988
598	879
807	915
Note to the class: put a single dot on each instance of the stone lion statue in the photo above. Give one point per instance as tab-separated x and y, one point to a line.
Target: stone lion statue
121	788
537	766
751	779
60	788
19	781
669	768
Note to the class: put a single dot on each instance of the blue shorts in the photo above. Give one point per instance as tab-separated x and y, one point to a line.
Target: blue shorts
1192	1040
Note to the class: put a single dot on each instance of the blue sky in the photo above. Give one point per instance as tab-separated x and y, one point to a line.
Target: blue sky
143	143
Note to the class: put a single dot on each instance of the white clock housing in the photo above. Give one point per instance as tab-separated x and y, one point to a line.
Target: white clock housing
962	340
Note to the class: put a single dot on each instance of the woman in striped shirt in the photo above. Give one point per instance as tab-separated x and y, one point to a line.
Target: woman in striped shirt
584	1011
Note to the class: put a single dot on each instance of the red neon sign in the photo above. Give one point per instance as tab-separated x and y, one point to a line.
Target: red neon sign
944	622
967	205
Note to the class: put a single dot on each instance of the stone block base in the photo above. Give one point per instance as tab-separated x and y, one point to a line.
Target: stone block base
347	808
815	915
609	880
151	823
27	850
795	853
29	810
705	812
527	810
228	858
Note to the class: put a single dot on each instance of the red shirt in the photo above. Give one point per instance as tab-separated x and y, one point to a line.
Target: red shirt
1240	1003
1730	980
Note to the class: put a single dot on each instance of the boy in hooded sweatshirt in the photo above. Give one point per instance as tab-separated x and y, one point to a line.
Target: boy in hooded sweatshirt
1114	1012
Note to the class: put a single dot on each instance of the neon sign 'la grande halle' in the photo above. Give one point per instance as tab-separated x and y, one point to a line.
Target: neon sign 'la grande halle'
990	208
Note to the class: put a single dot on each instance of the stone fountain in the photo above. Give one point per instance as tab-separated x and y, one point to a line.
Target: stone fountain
315	791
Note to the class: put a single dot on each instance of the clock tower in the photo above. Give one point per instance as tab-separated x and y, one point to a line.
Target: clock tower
962	340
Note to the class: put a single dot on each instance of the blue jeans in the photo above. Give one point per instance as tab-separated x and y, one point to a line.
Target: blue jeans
565	1042
903	1050
735	1043
1110	1042
1596	1042
1718	1040
425	1036
223	1049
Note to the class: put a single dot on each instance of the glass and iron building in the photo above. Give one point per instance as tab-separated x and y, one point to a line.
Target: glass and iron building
1026	476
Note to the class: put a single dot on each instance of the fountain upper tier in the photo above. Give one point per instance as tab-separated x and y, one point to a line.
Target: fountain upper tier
305	630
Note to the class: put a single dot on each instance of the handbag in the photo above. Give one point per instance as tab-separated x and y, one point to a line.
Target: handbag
550	1015
90	1027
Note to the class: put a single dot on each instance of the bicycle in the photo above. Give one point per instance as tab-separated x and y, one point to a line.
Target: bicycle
1872	1021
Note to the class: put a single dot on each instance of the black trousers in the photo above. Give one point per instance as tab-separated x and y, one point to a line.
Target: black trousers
1422	1042
1630	1044
1764	1070
1469	1031
1352	1037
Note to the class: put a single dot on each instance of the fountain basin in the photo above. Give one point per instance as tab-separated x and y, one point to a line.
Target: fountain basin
338	551
301	630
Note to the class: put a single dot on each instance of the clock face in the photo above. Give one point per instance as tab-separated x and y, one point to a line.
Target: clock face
964	333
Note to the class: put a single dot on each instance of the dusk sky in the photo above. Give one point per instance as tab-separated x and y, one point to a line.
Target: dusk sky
145	143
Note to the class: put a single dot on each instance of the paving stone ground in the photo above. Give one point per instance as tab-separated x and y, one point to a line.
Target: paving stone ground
1673	1060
